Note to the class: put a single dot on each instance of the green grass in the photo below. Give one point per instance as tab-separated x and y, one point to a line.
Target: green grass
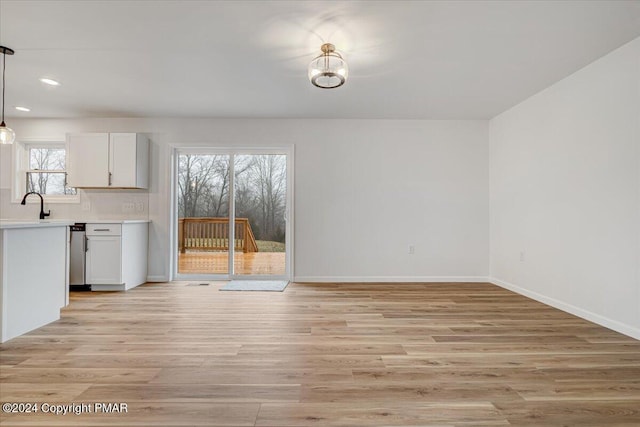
269	246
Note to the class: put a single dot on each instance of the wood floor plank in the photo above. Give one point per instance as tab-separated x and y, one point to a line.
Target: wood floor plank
580	391
157	349
49	392
337	354
576	413
537	360
211	392
427	392
78	375
337	348
113	361
477	376
265	375
304	361
377	414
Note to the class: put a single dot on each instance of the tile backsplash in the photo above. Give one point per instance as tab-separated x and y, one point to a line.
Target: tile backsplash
94	204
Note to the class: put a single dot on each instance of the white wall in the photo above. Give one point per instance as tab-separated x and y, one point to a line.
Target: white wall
364	190
565	190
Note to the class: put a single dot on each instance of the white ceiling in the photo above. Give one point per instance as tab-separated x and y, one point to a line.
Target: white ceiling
407	59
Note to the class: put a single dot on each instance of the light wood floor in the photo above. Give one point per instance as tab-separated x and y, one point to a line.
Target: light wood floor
267	263
324	355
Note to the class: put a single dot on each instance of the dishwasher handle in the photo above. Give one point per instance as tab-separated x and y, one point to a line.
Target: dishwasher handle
86	243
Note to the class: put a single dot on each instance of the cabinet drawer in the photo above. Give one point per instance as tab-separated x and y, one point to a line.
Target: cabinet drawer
104	229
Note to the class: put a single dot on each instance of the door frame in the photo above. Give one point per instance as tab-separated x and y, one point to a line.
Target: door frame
288	151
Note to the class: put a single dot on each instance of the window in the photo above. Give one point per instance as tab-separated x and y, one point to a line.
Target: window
42	168
46	173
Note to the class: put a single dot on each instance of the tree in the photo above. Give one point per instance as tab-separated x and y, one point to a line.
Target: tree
267	181
260	190
203	185
49	165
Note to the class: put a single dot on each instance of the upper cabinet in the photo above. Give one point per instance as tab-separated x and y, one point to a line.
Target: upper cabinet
128	160
107	160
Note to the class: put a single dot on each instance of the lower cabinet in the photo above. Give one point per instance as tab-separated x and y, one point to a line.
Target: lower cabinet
116	257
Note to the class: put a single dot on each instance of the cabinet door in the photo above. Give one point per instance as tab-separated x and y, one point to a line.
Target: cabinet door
104	260
122	159
88	160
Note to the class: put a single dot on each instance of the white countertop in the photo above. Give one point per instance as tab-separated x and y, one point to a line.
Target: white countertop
22	223
110	221
17	223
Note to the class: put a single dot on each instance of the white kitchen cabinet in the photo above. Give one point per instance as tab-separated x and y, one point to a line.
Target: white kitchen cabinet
104	260
107	160
88	160
116	257
33	275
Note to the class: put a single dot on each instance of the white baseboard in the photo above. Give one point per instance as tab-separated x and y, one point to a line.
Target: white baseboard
577	311
108	288
389	279
157	279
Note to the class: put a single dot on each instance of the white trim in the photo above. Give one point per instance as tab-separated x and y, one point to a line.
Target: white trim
19	166
172	226
175	151
391	279
572	309
290	215
4	279
232	216
157	279
201	277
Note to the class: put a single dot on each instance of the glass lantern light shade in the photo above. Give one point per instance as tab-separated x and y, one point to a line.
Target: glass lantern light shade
328	70
7	135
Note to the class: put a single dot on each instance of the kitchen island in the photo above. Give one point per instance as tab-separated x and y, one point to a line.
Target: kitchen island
33	274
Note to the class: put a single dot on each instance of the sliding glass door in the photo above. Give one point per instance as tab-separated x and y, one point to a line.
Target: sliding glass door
247	188
203	213
260	210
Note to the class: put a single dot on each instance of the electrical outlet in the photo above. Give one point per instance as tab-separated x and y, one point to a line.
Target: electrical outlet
139	207
411	250
86	206
128	207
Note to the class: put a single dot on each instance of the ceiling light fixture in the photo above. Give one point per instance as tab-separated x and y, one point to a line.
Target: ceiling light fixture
25	109
7	135
328	70
50	82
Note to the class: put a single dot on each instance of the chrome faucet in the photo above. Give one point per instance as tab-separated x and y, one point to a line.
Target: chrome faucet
42	212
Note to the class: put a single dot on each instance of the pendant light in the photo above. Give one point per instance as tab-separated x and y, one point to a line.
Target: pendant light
328	70
7	135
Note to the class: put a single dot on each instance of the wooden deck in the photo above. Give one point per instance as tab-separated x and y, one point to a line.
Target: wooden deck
266	263
454	354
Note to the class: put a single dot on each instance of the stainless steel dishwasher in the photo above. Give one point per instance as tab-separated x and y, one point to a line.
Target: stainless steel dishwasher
77	252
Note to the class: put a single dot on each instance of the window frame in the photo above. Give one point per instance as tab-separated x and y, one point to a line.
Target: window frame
22	166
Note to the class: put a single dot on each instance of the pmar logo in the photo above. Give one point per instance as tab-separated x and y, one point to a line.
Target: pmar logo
111	408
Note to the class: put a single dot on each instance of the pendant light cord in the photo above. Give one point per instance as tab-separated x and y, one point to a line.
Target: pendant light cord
4	64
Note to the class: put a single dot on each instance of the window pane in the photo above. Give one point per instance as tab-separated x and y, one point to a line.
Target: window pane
48	183
46	158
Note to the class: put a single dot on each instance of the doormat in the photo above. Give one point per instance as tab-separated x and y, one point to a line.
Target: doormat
256	285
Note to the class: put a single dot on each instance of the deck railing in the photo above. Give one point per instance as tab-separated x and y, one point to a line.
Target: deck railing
212	234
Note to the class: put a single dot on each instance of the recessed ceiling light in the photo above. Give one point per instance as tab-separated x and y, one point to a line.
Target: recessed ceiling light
50	82
23	109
